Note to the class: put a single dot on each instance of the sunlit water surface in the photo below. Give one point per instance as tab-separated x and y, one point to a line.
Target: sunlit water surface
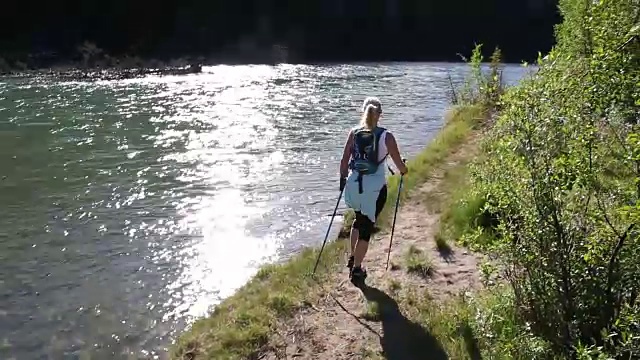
128	208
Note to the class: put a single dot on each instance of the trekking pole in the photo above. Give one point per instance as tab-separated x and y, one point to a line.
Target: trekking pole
327	235
393	226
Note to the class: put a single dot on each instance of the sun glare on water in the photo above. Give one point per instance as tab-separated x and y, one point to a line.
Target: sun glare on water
238	151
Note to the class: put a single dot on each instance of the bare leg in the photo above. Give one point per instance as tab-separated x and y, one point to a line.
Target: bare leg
361	250
354	239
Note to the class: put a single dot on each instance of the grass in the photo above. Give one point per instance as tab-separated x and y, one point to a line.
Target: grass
418	263
372	312
370	354
462	210
394	286
479	327
442	244
459	121
241	326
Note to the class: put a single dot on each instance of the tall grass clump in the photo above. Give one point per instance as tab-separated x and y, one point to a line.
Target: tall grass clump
480	87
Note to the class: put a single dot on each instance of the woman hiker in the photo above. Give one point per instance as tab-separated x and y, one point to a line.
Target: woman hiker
365	188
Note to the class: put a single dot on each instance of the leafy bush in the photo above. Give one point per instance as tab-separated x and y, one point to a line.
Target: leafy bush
480	87
561	175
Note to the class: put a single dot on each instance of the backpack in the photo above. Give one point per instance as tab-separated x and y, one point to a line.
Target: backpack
364	158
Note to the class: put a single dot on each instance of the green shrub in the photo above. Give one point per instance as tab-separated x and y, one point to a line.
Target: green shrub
481	88
561	176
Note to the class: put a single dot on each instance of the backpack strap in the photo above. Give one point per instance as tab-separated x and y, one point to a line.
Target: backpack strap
378	131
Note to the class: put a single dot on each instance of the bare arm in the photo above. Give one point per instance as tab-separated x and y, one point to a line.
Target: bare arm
346	155
392	147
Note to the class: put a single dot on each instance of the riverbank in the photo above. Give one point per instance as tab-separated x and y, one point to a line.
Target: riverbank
253	321
91	63
98	73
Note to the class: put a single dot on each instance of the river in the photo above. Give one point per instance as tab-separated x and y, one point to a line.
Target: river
128	208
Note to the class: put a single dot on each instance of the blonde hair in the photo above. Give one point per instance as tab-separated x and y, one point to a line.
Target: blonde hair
371	108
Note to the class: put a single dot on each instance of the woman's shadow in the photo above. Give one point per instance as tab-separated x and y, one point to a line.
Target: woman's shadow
403	339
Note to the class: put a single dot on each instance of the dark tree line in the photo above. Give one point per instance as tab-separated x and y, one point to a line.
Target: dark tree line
312	30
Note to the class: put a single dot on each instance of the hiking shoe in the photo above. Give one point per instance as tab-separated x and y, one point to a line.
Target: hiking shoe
350	263
358	274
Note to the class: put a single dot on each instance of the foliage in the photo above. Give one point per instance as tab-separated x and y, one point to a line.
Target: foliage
501	333
4	66
480	87
90	53
561	175
417	262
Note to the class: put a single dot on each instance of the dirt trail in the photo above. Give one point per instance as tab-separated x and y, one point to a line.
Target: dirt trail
334	328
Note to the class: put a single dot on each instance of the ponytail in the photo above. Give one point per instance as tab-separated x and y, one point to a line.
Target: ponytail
370	116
